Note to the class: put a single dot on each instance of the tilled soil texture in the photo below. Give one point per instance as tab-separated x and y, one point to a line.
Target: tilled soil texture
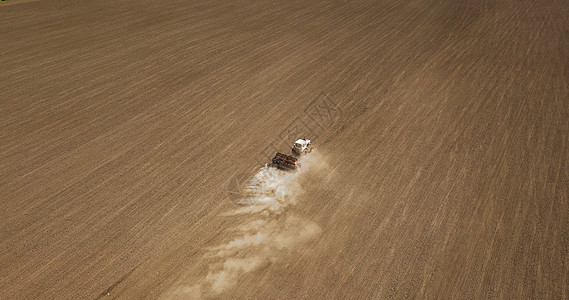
133	136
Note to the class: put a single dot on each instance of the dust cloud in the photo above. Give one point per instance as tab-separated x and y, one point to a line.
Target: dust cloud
266	231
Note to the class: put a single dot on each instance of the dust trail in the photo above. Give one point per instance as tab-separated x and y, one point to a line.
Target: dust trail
266	233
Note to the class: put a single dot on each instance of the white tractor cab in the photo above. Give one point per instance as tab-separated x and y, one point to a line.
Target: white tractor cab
302	147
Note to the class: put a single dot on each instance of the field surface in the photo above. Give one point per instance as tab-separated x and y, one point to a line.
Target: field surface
132	134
